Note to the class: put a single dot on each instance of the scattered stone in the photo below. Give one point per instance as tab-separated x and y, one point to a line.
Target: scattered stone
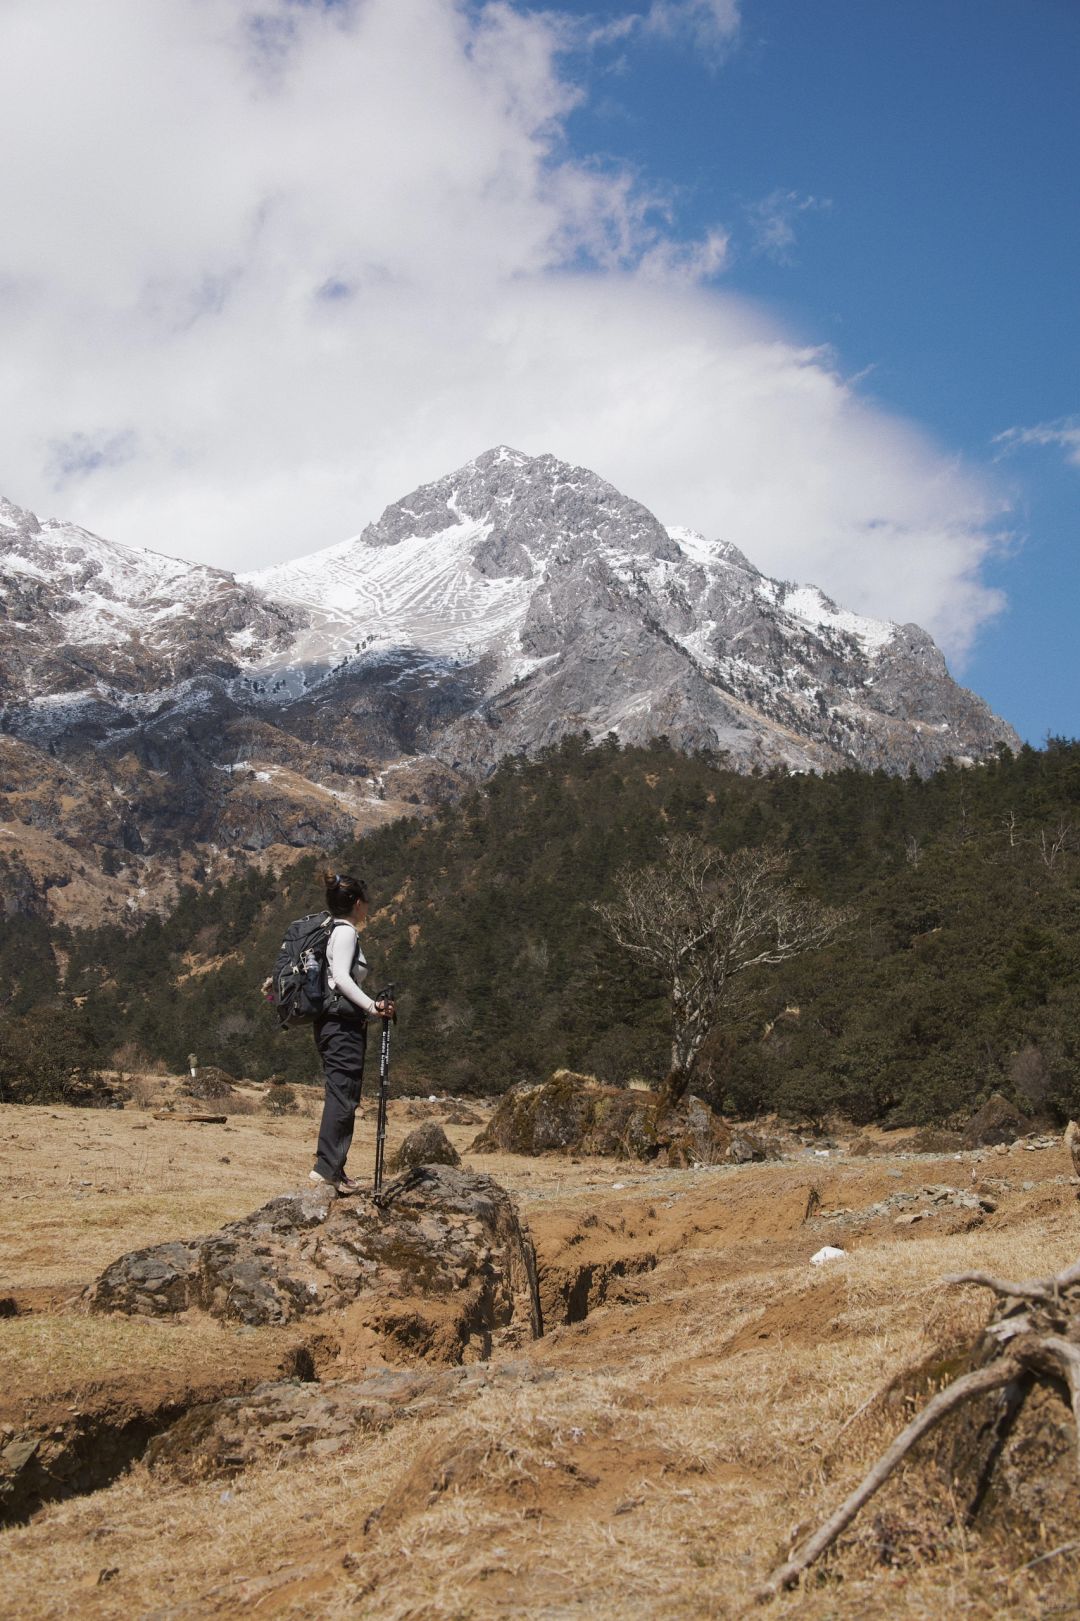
457	1114
17	1454
427	1145
827	1252
747	1147
910	1218
442	1261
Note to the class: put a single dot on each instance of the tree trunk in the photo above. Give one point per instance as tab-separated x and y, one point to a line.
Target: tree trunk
674	1087
687	1039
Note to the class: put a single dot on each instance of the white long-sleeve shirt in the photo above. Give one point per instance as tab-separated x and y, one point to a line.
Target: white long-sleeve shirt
347	965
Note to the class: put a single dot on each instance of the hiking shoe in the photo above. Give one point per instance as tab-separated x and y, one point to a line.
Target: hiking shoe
321	1181
345	1184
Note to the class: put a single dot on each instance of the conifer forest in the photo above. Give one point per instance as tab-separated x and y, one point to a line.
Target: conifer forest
958	973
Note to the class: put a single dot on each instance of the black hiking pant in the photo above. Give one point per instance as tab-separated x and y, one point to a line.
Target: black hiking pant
341	1043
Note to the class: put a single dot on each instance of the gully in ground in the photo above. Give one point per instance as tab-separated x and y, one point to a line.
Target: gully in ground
700	1398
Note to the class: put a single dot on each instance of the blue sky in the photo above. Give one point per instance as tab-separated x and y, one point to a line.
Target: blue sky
924	159
800	274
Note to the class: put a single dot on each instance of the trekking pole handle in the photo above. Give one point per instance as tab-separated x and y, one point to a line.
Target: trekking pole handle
386	997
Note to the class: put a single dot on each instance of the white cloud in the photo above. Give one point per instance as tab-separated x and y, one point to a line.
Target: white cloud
1064	435
772	221
685	263
267	266
711	25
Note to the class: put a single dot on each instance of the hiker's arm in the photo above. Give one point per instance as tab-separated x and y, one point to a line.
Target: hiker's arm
339	956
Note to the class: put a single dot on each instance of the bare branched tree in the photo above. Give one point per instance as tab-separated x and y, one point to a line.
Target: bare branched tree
1052	844
697	918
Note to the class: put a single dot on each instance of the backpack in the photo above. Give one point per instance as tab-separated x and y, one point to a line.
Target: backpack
297	988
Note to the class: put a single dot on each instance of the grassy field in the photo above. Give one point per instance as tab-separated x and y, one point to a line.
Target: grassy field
693	1421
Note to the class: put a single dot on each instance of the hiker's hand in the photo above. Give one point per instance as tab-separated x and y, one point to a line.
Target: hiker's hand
384	1008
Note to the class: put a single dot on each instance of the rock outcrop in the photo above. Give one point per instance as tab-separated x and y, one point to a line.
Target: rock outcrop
573	1114
998	1121
427	1145
208	1083
440	1264
286	1419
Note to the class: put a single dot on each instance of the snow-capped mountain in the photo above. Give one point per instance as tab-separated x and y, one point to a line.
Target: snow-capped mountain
75	608
153	705
574	607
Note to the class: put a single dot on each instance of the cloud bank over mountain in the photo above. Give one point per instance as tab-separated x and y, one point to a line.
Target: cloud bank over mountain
268	264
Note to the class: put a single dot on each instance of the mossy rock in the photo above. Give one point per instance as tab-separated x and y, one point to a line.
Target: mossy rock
208	1082
427	1145
574	1114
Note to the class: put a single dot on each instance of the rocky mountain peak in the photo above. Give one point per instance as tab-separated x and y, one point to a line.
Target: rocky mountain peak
151	703
16	518
530	508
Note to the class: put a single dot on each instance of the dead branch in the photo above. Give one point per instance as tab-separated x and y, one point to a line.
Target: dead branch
1038	1343
190	1117
1046	1289
1066	1547
1032	1289
961	1390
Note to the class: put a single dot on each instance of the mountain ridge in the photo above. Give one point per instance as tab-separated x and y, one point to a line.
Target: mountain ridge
491	611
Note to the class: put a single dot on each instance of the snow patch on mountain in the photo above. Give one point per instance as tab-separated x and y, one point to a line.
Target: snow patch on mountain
423	592
814	609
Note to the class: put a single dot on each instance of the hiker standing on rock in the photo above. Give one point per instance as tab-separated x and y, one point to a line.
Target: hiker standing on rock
341	1030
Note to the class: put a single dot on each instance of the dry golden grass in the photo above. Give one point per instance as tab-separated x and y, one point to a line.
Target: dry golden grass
686	1431
46	1357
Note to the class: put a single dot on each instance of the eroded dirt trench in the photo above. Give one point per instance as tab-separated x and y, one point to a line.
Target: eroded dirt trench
371	1356
662	1294
629	1250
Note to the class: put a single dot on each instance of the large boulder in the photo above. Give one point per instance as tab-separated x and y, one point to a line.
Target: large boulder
427	1145
573	1114
441	1262
998	1121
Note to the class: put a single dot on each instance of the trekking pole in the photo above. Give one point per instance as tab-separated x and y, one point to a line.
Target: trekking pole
386	997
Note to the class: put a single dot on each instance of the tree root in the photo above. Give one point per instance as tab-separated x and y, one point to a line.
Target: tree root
1033	1335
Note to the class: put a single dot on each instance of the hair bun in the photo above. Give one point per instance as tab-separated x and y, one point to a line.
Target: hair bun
343	892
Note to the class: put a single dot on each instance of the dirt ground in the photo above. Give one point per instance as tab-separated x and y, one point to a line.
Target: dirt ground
702	1375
